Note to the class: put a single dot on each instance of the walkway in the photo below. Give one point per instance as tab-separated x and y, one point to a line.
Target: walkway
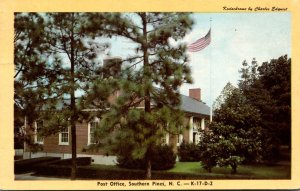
30	176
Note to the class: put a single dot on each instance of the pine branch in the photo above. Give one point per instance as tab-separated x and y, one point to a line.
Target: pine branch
133	65
21	68
17	35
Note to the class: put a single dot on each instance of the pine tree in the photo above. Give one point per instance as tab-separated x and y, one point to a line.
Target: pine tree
225	93
66	66
150	79
73	65
28	40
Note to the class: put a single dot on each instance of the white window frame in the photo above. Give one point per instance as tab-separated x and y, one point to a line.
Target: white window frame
60	137
95	120
165	139
196	124
36	134
179	139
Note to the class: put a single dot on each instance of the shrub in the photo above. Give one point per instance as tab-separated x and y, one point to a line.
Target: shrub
232	161
80	161
27	165
130	163
221	146
189	152
50	169
163	158
61	167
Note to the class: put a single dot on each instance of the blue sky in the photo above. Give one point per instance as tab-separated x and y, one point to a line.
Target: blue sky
235	37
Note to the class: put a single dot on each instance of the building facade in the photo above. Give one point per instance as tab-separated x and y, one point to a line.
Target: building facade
196	118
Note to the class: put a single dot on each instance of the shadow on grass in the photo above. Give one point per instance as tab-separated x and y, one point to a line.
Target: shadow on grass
244	171
182	171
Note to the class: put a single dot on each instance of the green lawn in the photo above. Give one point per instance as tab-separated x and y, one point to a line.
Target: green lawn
193	170
250	171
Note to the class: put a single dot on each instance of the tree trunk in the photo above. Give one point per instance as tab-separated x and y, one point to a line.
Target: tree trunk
148	170
74	165
234	167
209	170
73	110
146	80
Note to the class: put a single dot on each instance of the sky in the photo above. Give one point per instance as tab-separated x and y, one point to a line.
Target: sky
235	37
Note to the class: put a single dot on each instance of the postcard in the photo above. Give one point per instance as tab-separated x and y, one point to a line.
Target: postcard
147	95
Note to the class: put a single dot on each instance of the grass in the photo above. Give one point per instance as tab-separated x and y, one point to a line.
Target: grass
246	171
194	170
182	170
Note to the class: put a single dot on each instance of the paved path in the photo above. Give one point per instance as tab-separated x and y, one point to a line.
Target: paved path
29	176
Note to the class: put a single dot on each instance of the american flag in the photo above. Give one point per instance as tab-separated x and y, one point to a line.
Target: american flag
200	43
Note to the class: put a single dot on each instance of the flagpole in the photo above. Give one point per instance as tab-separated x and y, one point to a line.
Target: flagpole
211	100
197	46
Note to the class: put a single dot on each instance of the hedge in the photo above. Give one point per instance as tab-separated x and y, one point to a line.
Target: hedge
163	158
27	165
189	152
80	161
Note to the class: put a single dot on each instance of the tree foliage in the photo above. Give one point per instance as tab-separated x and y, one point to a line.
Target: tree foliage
269	90
164	158
226	91
29	73
235	135
151	78
55	59
188	152
224	147
254	117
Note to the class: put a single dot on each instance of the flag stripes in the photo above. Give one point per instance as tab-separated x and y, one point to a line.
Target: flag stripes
200	44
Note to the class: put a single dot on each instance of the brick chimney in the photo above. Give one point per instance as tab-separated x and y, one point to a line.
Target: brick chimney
195	94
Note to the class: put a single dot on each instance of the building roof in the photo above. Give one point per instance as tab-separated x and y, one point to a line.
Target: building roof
191	105
188	104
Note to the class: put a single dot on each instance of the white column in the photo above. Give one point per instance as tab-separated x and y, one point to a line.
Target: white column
191	125
25	129
180	139
167	138
202	124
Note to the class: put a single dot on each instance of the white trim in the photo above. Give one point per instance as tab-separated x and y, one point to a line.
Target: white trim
36	135
197	137
167	138
191	125
96	119
96	159
64	143
202	123
108	108
180	137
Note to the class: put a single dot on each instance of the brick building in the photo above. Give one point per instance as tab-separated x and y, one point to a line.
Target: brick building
196	116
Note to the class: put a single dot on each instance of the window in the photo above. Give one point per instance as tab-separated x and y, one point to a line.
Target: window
196	137
64	136
91	131
38	138
165	139
179	139
197	124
